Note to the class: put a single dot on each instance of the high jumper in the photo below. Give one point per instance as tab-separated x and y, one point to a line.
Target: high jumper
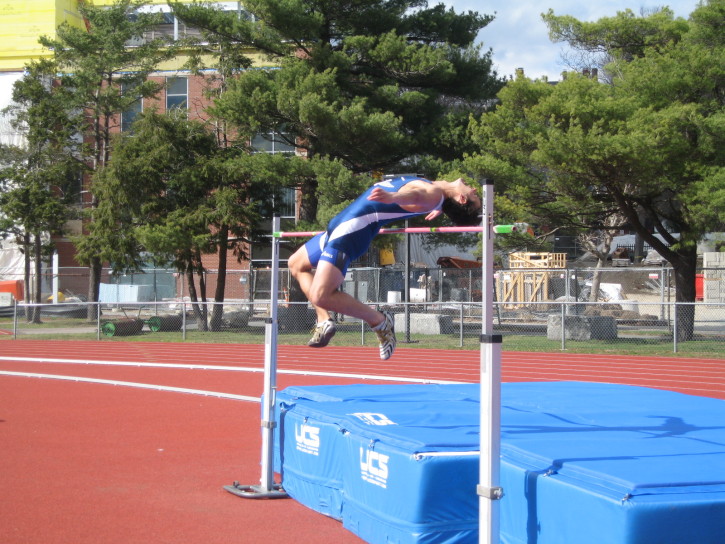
350	234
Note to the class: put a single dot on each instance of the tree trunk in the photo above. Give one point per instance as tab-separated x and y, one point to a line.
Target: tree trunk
199	310
38	279
26	273
685	268
308	200
638	249
599	244
198	298
217	314
94	286
596	280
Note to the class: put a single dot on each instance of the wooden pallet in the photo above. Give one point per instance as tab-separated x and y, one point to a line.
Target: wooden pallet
527	279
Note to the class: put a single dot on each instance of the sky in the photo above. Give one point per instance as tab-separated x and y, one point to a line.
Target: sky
519	38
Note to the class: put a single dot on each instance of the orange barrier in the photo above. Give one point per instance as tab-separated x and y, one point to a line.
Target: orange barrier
15	287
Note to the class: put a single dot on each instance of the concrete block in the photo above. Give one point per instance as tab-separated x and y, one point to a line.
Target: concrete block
394	297
295	318
580	327
425	323
237	319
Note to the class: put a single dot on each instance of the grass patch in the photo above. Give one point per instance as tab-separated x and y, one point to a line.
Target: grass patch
655	346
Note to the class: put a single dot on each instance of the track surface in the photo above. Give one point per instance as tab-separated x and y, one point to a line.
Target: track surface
85	461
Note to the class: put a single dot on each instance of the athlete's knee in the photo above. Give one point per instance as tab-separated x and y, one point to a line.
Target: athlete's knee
299	262
317	296
320	294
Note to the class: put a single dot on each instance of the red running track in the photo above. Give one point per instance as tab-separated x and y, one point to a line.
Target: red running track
88	462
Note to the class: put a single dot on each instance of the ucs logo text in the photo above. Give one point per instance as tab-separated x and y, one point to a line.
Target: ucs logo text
374	467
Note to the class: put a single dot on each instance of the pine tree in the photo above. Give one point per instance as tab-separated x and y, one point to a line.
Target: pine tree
38	179
648	146
374	84
97	65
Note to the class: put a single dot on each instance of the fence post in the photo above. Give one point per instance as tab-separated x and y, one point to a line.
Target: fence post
563	325
470	285
15	319
669	294
460	343
183	318
98	320
362	332
674	329
662	291
440	285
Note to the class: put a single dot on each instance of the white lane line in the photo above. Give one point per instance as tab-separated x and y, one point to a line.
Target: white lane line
132	384
129	363
225	368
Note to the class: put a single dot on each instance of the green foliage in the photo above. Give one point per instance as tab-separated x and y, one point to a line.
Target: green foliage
624	36
31	201
156	194
96	63
646	148
368	83
170	191
37	179
103	77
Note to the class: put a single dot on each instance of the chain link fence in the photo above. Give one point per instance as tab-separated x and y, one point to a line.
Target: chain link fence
535	310
573	326
386	285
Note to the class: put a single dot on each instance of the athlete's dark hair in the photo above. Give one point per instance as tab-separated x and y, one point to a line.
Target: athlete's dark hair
462	215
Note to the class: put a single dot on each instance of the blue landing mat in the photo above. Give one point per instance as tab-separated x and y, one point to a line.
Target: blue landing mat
580	462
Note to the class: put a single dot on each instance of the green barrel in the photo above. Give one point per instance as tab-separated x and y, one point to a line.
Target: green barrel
165	323
126	327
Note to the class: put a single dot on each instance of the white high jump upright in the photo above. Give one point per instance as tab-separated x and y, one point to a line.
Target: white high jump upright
488	489
267	488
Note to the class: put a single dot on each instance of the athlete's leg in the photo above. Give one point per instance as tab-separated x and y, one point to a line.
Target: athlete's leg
323	293
321	289
301	269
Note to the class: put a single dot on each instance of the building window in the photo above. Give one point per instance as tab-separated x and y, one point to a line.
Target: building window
236	8
169	27
273	142
284	202
129	115
172	28
73	189
176	93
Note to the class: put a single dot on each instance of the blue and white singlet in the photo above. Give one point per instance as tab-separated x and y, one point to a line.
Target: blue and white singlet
350	232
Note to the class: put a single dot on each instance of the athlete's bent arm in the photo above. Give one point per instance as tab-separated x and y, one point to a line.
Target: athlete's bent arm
416	196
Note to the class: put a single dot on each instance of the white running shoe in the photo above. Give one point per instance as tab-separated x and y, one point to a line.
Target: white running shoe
322	334
386	336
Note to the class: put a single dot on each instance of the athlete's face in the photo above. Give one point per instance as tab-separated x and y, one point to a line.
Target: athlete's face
469	193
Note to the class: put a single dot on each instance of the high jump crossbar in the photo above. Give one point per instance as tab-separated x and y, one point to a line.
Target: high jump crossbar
497	229
488	489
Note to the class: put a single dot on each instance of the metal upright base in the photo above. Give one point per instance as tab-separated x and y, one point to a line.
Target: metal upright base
256	491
